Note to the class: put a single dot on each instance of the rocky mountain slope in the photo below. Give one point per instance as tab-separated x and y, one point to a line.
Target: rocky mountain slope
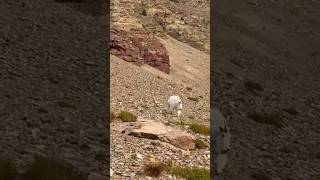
182	69
144	94
136	24
52	60
266	64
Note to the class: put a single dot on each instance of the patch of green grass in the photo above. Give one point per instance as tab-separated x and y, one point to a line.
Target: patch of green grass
195	127
181	123
44	168
199	128
127	116
7	169
195	99
264	118
200	144
113	116
188	172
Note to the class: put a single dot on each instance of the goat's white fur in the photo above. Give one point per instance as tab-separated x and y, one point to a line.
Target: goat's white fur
174	104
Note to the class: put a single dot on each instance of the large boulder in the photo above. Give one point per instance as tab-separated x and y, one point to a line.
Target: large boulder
150	129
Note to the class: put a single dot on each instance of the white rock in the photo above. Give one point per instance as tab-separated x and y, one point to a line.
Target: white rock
139	156
184	153
111	172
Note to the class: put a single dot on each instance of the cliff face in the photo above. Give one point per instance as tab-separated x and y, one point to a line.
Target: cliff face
141	21
139	49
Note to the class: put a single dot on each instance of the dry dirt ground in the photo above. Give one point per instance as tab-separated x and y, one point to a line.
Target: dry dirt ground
52	82
276	44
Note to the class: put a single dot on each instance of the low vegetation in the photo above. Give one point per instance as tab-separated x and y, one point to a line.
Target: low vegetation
153	168
181	123
127	116
43	168
113	116
195	127
7	169
188	172
195	99
200	144
200	129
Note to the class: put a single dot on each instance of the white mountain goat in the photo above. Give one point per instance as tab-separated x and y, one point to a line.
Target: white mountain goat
221	137
174	104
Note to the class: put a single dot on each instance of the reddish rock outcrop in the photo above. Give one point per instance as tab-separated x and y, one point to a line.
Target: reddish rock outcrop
139	48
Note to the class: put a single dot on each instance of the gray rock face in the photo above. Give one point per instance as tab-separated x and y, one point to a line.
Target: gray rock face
221	139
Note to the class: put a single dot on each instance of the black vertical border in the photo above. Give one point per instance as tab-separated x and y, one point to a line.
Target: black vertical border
107	87
212	66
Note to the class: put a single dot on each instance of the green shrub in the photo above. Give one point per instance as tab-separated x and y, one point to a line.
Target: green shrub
189	173
195	99
113	116
43	168
153	168
127	116
200	144
199	128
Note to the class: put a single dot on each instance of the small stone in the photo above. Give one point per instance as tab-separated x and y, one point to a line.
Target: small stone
139	156
184	153
111	172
